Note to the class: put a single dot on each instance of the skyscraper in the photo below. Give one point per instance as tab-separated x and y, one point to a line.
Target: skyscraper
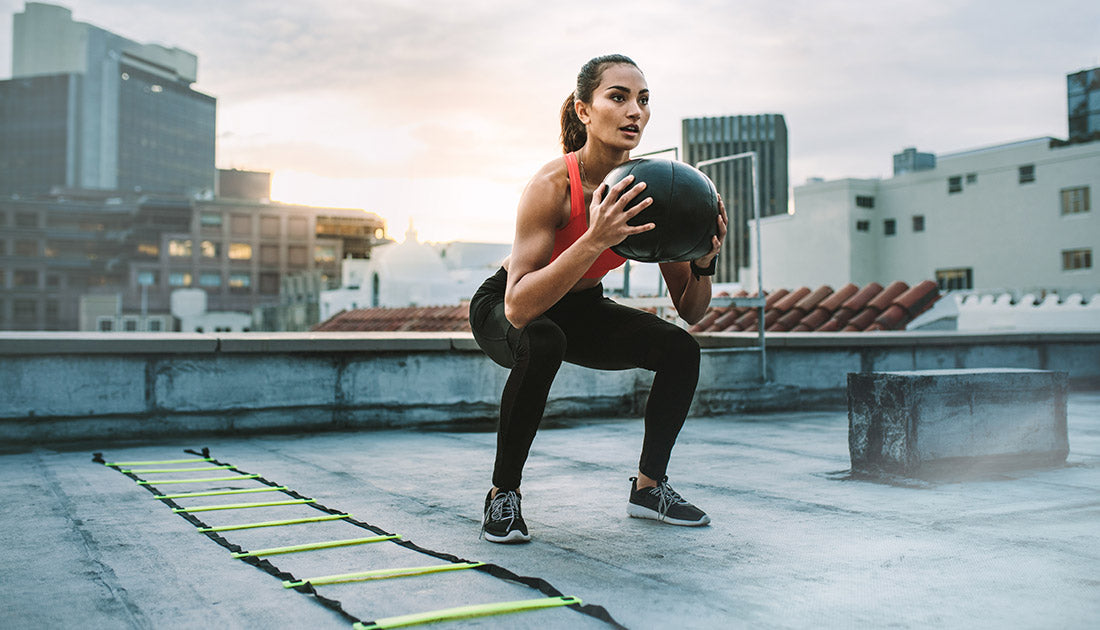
86	108
766	134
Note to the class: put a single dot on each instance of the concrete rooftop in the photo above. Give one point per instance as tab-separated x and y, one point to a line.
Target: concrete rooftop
794	542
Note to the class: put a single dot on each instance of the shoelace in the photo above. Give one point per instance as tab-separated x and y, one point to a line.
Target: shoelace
504	506
666	497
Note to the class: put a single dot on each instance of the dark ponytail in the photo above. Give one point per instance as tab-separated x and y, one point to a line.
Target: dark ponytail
573	133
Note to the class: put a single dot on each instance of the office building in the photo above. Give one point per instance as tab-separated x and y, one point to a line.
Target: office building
766	134
88	109
56	249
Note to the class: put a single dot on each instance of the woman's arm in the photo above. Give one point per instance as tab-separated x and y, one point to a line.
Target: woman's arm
691	295
534	282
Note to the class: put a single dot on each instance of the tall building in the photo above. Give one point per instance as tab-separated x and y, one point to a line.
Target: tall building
88	109
766	134
1083	101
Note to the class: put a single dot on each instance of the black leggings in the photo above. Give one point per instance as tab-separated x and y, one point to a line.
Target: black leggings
587	329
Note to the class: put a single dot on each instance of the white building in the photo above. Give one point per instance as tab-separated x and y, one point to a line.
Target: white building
1013	216
412	273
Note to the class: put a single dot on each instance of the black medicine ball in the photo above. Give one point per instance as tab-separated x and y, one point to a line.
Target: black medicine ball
684	210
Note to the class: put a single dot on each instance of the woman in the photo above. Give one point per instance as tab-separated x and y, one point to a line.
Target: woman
546	303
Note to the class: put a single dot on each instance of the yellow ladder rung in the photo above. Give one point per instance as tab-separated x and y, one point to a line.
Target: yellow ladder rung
467	612
296	521
176	470
274	551
382	574
208	479
241	506
214	493
160	463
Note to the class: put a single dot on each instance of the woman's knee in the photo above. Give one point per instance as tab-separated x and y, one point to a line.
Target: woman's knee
677	346
543	341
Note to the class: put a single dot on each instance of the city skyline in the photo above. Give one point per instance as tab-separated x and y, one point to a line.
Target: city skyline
439	113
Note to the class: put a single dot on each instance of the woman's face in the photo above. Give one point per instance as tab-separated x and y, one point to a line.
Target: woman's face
619	110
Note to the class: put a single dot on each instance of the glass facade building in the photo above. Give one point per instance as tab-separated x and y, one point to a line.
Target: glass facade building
92	110
1083	100
710	138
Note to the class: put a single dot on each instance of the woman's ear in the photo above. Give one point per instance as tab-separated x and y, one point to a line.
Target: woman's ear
581	108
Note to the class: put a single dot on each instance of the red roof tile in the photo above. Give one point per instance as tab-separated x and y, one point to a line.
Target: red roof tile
849	309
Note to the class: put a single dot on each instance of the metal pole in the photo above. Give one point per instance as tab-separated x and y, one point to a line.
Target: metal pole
756	212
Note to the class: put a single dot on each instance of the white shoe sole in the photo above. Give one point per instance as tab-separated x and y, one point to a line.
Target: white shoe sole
637	511
514	536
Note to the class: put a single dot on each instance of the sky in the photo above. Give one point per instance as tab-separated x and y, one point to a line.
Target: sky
438	112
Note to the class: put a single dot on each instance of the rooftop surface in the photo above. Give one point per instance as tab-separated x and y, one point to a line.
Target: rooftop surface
794	543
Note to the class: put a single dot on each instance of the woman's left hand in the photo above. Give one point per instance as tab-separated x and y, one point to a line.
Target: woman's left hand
716	241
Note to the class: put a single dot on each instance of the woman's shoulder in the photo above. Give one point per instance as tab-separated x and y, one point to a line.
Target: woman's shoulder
552	178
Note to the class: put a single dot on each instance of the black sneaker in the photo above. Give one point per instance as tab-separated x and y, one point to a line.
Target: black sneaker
503	522
664	504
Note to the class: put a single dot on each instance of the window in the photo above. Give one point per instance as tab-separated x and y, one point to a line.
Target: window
297	255
241	225
955	279
297	227
210	280
24	310
148	250
146	278
53	311
865	201
240	282
53	281
918	222
863	226
1027	173
1076	259
179	248
954	184
324	254
972	178
1075	200
269	283
129	324
269	227
26	248
105	324
26	220
25	278
890	227
269	255
211	249
240	251
211	221
153	325
179	279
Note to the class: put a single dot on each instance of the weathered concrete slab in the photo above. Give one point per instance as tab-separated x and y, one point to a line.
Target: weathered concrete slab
923	422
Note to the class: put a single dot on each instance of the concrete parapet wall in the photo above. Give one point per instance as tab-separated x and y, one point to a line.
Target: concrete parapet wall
75	386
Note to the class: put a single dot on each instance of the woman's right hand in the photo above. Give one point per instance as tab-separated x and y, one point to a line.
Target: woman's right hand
608	215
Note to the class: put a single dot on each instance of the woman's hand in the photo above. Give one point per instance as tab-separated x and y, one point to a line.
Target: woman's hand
716	241
608	215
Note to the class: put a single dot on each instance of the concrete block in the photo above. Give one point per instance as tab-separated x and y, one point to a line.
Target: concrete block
928	422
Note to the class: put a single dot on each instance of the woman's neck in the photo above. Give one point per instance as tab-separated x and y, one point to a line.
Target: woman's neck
597	161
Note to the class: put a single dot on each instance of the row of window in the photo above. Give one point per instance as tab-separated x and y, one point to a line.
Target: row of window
241	225
25	310
1073	200
890	226
269	254
963	277
1025	175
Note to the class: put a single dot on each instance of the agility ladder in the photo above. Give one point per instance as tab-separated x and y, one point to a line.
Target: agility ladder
553	598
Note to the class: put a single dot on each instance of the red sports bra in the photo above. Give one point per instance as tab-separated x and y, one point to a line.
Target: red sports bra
578	223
